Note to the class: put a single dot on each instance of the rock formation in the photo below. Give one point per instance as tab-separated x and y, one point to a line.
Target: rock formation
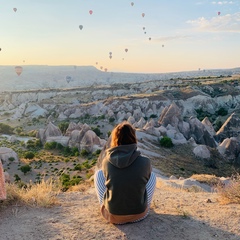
231	128
8	153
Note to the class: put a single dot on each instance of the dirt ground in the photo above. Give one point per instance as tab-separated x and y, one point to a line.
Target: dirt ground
175	214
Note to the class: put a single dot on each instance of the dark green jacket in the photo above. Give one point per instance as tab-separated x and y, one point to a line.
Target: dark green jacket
127	173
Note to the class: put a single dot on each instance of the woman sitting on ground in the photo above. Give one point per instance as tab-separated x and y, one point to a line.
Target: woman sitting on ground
125	184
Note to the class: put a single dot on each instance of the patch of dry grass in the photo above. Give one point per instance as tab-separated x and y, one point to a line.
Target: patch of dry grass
81	187
230	193
209	179
43	194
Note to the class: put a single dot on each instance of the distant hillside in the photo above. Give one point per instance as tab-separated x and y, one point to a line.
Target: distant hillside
45	77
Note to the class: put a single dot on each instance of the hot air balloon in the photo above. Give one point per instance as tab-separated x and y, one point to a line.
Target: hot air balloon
143	28
149	39
68	79
145	32
80	27
219	13
143	14
132	3
96	63
110	53
18	70
110	56
163	45
105	69
126	50
14	9
91	12
101	67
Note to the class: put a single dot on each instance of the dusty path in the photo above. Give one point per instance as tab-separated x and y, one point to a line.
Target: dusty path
174	215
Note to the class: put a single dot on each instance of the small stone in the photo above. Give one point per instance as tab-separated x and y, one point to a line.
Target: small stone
209	200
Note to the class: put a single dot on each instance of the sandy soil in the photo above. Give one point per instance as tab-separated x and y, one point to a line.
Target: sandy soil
175	214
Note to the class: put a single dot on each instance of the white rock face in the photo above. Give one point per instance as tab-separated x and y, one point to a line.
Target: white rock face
6	153
131	120
229	147
89	140
201	151
140	123
208	125
34	110
177	137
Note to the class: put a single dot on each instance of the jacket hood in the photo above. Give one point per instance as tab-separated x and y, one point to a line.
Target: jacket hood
122	156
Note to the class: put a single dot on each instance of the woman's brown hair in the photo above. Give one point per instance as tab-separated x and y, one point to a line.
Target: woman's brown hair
123	134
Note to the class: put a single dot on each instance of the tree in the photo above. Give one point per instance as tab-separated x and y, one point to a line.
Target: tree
97	131
5	129
63	126
166	142
29	155
25	168
17	178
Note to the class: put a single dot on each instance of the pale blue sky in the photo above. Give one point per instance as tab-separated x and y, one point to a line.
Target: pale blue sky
193	34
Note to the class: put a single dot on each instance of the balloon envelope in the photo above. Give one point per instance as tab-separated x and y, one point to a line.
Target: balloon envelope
14	9
132	3
18	70
219	13
90	11
68	79
143	14
81	27
126	50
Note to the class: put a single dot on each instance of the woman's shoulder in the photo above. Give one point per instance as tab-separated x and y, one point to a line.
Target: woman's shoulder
144	158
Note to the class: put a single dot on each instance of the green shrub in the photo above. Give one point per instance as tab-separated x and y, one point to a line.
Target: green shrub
75	151
222	111
111	119
16	178
153	116
166	142
97	152
84	153
97	131
86	165
63	126
29	155
6	129
50	145
59	146
78	167
25	168
218	125
68	182
11	159
30	144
